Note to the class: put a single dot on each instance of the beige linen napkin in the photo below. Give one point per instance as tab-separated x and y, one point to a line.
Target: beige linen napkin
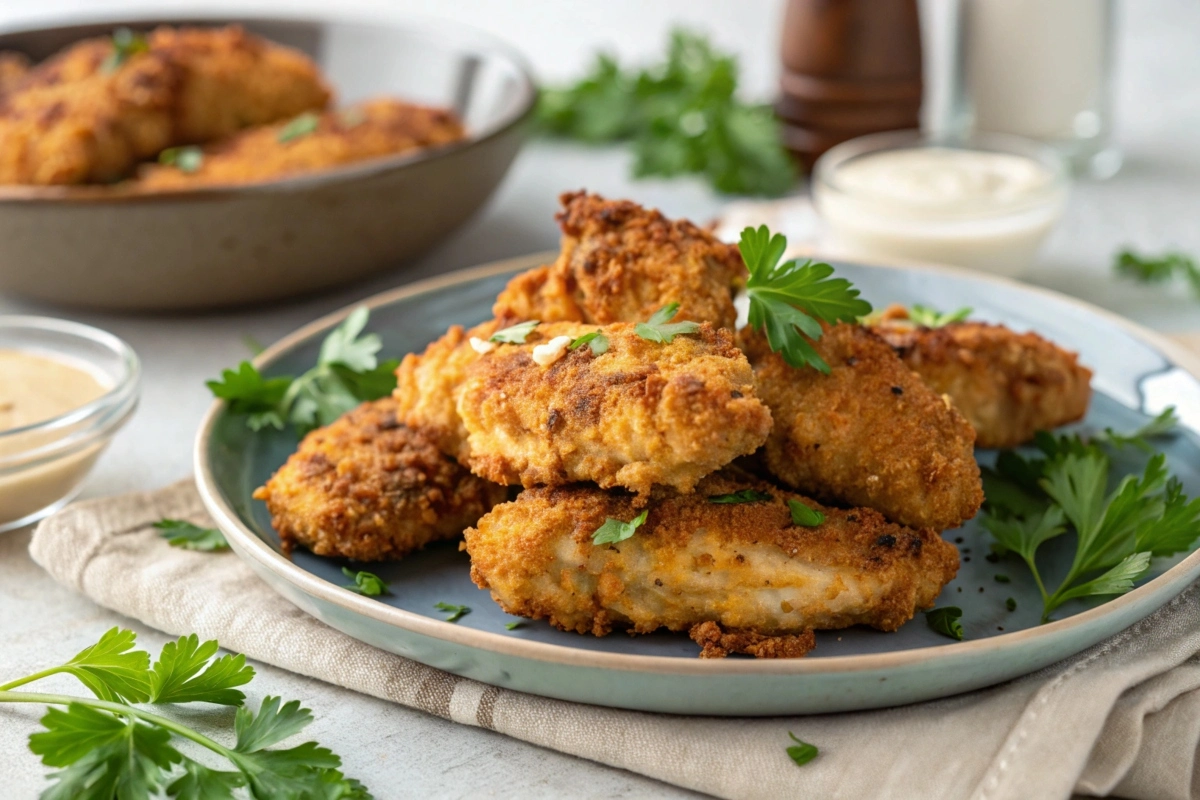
1123	717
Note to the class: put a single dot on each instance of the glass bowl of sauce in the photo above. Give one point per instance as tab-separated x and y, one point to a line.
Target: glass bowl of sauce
65	389
984	201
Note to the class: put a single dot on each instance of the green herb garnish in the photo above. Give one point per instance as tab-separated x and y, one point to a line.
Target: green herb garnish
801	752
946	621
660	329
109	747
1117	532
743	496
932	318
365	583
804	516
347	374
1162	425
456	612
516	334
302	125
788	299
512	626
1001	578
185	159
181	533
614	530
595	339
1167	267
126	44
1011	604
682	117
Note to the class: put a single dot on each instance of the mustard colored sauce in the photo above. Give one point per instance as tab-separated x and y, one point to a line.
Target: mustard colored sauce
35	388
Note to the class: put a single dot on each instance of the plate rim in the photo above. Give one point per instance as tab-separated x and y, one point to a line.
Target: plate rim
249	545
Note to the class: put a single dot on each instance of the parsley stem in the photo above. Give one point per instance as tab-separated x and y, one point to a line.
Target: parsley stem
120	710
31	678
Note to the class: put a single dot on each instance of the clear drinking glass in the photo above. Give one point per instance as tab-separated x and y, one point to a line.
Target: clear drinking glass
1042	69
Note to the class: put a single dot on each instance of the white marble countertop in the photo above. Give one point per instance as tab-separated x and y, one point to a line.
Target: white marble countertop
1152	203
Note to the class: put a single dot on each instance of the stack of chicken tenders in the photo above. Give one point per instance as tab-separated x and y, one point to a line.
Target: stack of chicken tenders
695	481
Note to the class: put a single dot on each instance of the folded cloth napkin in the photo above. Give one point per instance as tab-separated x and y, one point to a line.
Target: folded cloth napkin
1121	718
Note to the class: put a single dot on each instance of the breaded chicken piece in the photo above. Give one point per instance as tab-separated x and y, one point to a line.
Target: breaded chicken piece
81	118
621	262
368	488
1008	385
427	385
638	415
870	433
746	568
13	67
370	130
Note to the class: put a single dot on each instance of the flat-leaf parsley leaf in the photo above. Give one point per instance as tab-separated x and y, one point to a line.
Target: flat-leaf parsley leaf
614	530
946	620
932	318
801	752
594	339
365	583
804	516
456	612
660	329
181	533
514	334
742	496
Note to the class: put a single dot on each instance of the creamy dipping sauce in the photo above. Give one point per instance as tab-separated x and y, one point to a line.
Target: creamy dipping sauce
974	208
34	389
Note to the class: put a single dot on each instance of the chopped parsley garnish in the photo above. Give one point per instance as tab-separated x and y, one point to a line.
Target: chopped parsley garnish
595	339
932	318
804	516
516	334
946	620
126	44
347	374
365	583
512	626
743	496
801	752
111	745
302	125
614	530
1168	267
181	533
788	299
683	116
1011	604
456	612
1033	500
185	159
1001	578
660	329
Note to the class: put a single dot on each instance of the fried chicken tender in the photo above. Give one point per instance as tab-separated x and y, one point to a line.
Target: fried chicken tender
13	67
870	433
1008	385
370	130
746	567
78	118
368	488
621	262
640	414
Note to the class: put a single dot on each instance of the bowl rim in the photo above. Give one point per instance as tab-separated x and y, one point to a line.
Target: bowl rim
250	547
444	33
101	415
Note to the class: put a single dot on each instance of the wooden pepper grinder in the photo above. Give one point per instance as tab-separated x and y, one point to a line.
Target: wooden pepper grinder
850	67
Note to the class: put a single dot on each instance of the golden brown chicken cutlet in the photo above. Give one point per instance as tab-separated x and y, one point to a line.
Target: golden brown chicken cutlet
89	114
369	488
1008	385
737	575
621	262
13	67
310	143
871	433
639	414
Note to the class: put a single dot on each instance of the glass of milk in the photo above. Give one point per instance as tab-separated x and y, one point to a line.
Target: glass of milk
1040	69
984	201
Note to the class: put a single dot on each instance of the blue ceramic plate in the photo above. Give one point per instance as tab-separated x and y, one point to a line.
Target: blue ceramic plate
1137	374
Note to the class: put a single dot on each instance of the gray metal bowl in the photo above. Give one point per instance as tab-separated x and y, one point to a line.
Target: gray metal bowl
203	248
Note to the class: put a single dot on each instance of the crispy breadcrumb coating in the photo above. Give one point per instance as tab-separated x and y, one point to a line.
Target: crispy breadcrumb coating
370	130
368	488
870	433
1008	385
746	567
74	119
13	67
621	262
640	414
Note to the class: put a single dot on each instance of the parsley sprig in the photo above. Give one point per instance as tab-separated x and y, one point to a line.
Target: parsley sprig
659	327
365	583
347	373
300	126
112	746
932	318
1031	500
596	340
946	620
614	530
126	43
1163	269
788	299
514	334
682	117
801	752
181	533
